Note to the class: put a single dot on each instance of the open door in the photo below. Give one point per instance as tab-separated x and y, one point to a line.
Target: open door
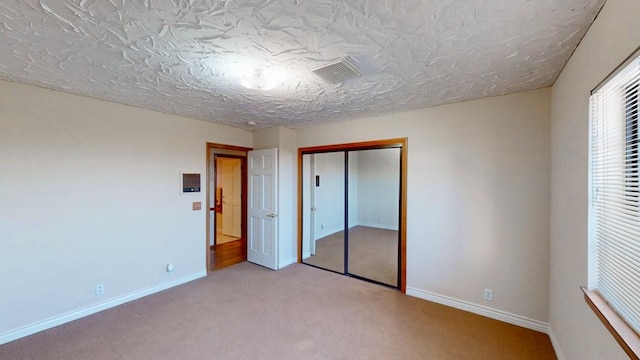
262	242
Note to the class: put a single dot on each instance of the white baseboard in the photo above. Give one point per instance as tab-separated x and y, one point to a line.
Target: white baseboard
555	344
480	310
379	226
92	309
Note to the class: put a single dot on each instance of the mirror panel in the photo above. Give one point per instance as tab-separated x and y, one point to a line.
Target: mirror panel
374	207
323	210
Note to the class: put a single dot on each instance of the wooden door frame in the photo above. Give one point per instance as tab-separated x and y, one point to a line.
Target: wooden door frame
367	145
245	150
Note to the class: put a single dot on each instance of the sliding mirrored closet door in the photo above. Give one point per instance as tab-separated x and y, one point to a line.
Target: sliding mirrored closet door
351	207
374	207
325	203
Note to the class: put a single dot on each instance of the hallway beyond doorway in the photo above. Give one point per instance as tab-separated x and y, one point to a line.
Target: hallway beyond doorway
228	254
221	237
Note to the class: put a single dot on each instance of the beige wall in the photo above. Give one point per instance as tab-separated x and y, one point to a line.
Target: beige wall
613	37
91	194
95	186
478	185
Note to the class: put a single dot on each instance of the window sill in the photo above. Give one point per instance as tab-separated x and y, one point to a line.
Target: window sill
624	335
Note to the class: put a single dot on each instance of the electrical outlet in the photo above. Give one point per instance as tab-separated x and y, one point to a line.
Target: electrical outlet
99	289
488	294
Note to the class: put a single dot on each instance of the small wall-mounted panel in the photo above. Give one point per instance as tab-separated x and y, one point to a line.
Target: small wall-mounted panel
190	183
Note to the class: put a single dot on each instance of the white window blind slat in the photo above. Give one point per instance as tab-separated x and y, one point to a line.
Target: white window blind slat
618	241
626	305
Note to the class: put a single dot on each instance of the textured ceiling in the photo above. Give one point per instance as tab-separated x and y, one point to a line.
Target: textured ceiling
186	57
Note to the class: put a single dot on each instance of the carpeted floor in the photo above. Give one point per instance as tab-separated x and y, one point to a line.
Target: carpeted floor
249	312
373	253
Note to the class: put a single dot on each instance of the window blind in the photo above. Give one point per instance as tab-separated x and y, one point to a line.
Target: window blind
614	202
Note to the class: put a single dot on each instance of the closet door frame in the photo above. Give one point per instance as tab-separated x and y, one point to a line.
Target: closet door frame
366	145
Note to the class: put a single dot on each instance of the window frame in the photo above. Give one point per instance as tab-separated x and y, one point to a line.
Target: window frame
623	333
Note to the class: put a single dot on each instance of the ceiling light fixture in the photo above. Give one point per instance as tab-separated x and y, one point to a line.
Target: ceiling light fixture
259	79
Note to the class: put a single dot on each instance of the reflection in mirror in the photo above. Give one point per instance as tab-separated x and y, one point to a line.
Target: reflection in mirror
323	195
374	206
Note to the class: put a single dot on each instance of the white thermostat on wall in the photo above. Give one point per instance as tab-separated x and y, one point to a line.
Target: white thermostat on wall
190	182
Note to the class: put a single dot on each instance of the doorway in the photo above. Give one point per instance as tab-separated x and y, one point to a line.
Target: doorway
228	199
227	205
352	206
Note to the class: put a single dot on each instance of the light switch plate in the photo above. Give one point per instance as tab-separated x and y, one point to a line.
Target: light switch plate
196	205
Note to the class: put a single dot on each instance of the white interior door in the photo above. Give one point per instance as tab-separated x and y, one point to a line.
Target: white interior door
262	244
232	197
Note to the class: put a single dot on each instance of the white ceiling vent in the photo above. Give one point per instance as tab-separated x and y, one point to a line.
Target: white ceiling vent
337	71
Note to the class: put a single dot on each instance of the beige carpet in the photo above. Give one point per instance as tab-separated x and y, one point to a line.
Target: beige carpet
373	253
249	312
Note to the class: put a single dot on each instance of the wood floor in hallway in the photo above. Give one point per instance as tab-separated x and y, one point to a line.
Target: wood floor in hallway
228	254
